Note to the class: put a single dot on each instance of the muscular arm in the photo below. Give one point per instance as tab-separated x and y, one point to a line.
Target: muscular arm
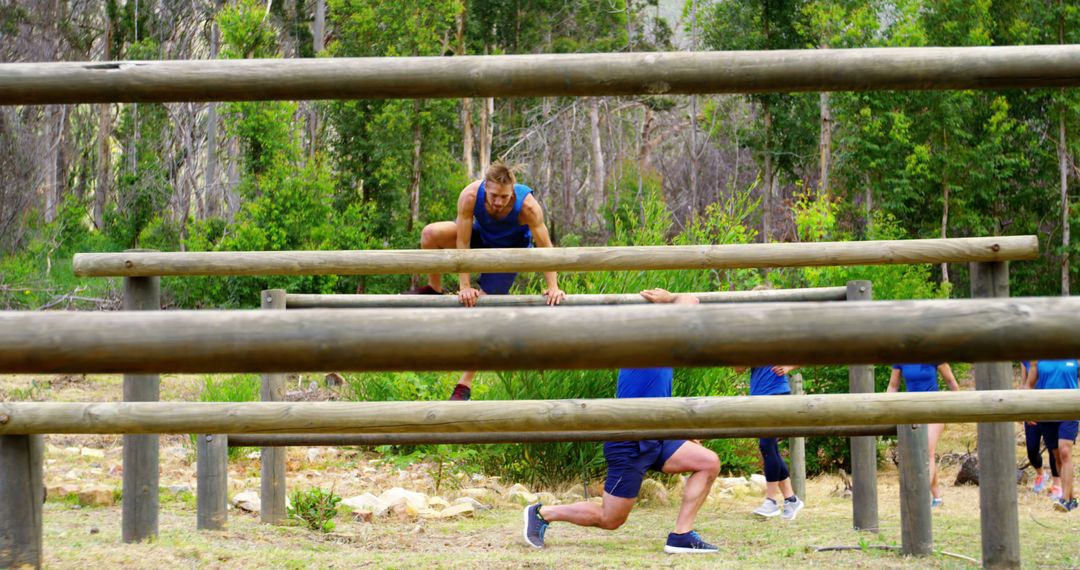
946	373
532	215
894	381
465	205
1032	376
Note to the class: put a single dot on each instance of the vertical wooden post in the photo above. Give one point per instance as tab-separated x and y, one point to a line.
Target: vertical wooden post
273	458
22	491
864	500
139	504
212	468
998	510
916	532
797	448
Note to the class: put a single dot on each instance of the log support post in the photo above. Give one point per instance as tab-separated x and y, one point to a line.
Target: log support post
916	532
797	448
998	510
139	503
212	490
273	458
22	492
864	497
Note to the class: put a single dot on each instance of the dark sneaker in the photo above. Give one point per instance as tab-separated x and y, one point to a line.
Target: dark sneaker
425	290
536	526
688	543
461	392
1066	506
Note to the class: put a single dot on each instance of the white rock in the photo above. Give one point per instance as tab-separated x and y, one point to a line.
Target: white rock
476	505
757	482
520	495
461	510
247	501
367	502
437	503
731	482
398	496
88	452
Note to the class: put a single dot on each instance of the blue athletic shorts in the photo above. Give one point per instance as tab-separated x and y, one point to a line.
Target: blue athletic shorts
627	462
492	283
1054	431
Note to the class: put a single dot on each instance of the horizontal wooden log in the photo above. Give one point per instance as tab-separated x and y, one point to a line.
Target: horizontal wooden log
301	301
542	75
337	440
759	412
540	338
381	262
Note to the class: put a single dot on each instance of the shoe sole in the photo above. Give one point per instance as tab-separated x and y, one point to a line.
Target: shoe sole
683	550
525	532
1061	507
767	516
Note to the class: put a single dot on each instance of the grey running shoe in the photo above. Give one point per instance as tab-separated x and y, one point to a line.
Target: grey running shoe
769	508
792	508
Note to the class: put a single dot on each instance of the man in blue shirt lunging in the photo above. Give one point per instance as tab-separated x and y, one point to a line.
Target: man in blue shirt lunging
629	460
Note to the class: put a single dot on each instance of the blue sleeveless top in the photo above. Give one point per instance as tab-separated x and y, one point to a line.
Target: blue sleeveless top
644	383
1057	374
765	382
506	232
919	377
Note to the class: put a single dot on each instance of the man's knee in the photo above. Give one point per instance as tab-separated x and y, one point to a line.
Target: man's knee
612	522
429	235
712	464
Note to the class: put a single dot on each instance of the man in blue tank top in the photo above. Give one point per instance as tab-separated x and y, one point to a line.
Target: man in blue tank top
628	461
495	212
1060	436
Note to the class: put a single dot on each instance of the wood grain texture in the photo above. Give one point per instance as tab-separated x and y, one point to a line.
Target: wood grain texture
916	524
381	262
864	495
539	415
542	75
539	338
304	301
139	506
334	440
22	492
273	472
212	474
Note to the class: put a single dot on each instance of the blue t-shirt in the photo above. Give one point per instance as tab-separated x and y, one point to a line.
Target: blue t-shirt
919	377
644	383
507	231
765	382
1056	374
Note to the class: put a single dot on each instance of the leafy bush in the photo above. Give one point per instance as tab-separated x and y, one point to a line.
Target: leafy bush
315	508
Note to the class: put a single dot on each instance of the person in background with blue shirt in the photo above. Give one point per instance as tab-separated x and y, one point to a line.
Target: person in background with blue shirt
773	381
1033	440
628	461
1060	436
924	378
495	212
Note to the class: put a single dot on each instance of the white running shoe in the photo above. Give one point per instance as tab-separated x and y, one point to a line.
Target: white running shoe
769	508
792	508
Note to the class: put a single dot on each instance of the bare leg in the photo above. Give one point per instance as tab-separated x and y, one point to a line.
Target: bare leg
467	378
438	235
779	490
609	515
1065	467
933	433
704	465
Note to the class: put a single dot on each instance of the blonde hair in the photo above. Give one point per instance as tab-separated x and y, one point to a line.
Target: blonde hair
499	173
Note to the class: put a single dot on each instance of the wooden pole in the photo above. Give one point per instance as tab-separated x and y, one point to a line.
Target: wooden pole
998	508
212	480
139	505
797	448
299	301
273	458
382	262
337	440
591	74
916	530
22	492
539	338
864	499
539	415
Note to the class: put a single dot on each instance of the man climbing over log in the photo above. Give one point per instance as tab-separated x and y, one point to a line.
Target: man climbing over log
495	212
628	461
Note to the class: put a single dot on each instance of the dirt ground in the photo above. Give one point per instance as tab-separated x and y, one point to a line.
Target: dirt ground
80	536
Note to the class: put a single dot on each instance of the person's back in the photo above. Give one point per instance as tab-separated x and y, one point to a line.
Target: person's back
644	383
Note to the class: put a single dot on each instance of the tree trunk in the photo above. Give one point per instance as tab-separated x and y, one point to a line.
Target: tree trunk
596	202
766	202
1063	165
945	204
52	145
826	144
414	184
486	111
693	154
318	27
466	107
212	194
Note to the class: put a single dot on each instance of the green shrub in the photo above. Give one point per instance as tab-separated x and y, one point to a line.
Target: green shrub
315	508
240	388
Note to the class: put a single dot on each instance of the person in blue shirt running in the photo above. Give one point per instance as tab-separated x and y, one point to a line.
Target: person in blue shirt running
773	381
924	378
495	212
1033	440
628	461
1060	436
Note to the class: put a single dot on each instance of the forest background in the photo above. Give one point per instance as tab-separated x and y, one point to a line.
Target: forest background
646	170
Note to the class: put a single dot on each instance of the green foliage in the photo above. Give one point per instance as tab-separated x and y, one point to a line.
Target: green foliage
315	508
